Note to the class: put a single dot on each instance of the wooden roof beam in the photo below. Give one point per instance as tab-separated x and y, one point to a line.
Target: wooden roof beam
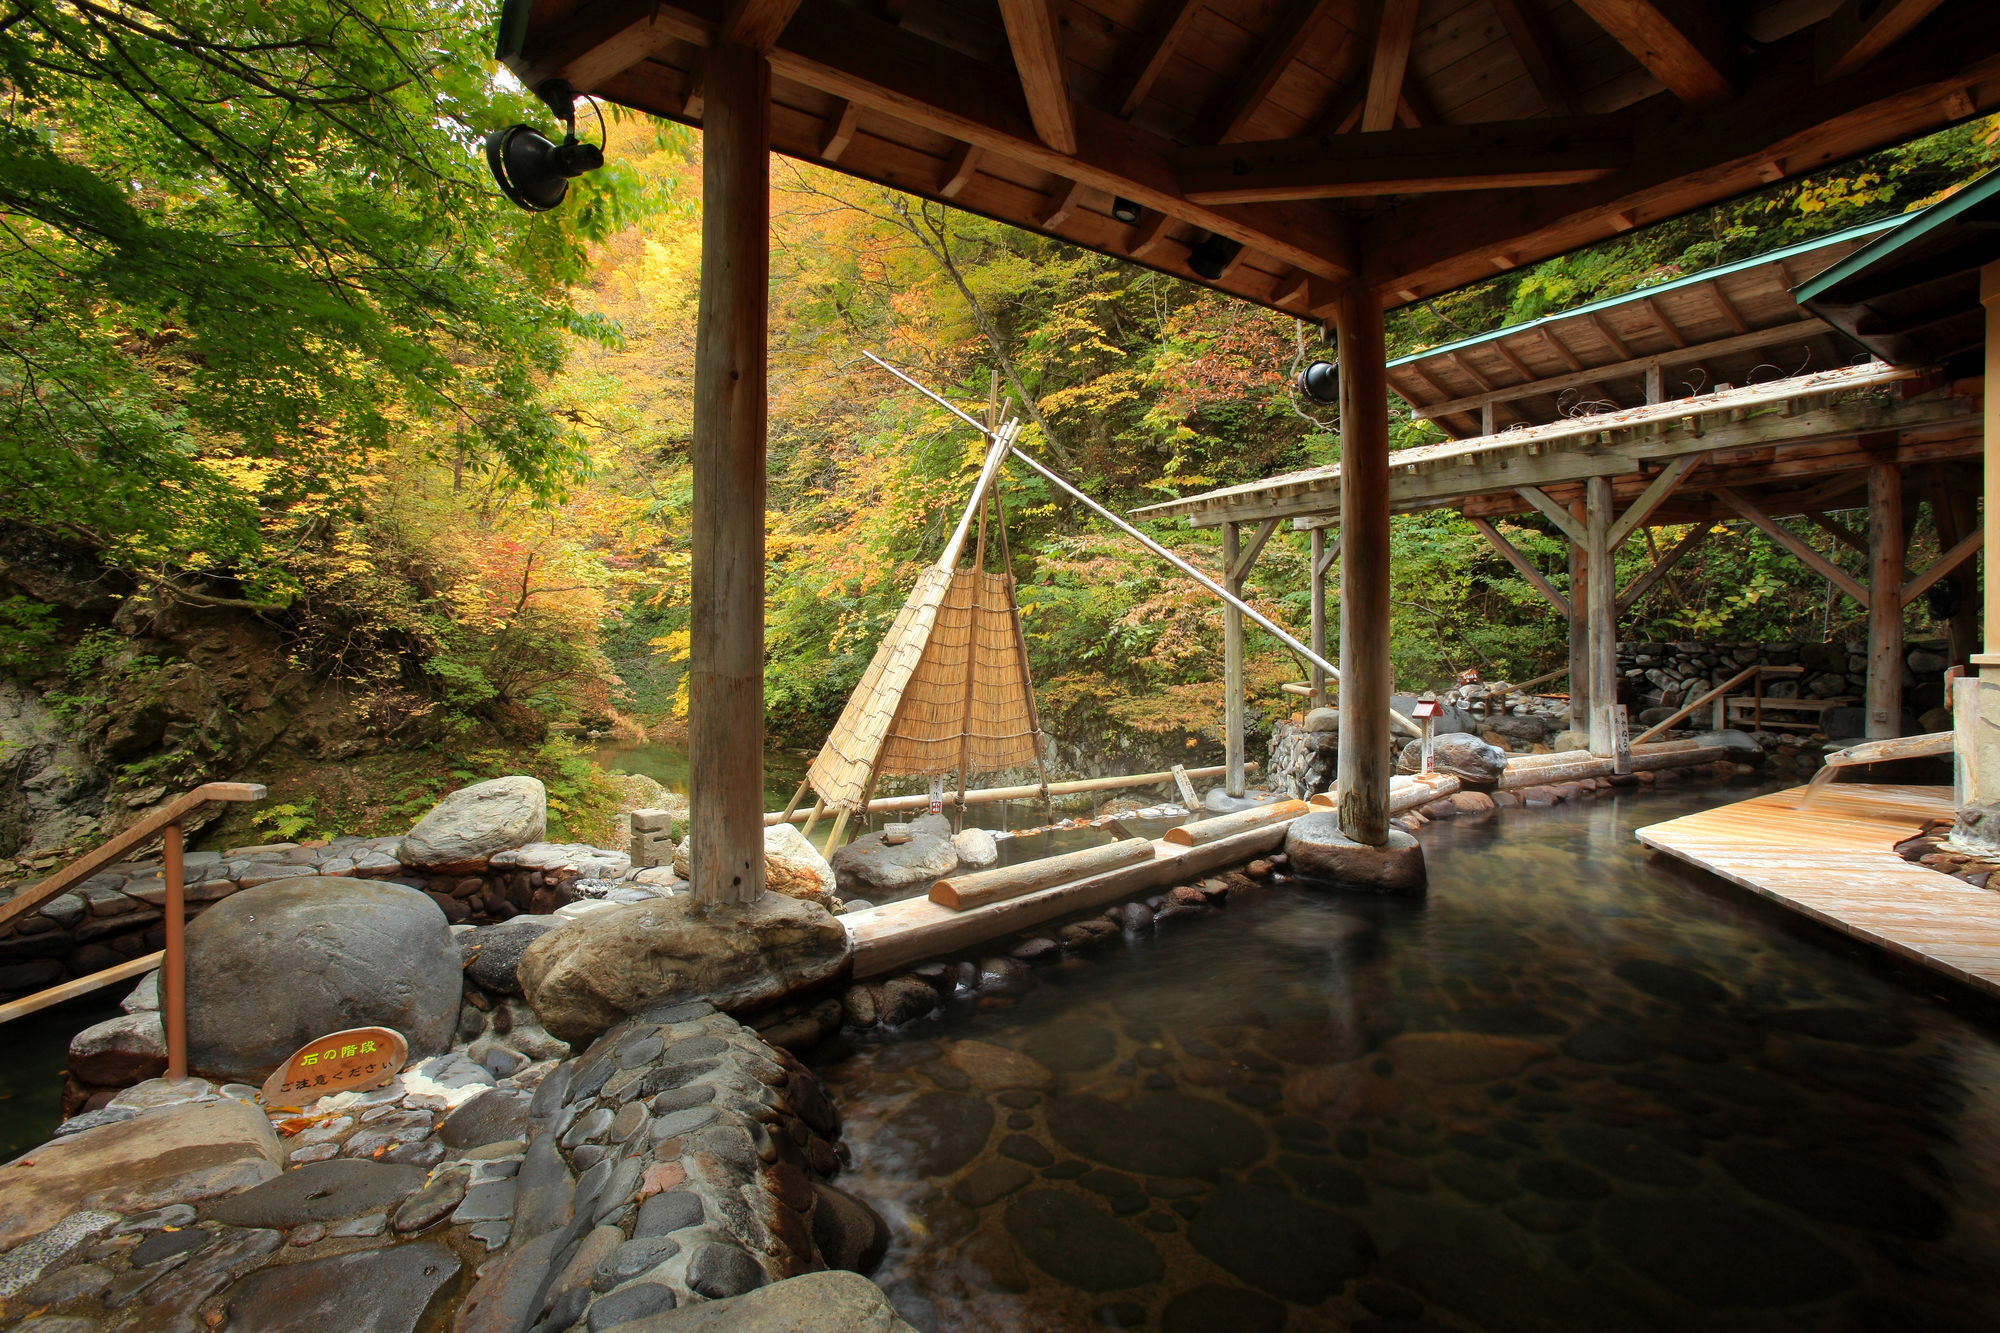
1395	31
1172	24
1248	93
1860	30
1031	32
907	76
757	23
1532	44
1682	43
1683	160
1435	158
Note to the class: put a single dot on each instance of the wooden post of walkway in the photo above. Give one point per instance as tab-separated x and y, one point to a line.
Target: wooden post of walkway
726	652
1317	574
1603	613
1364	569
1885	601
1232	668
1579	630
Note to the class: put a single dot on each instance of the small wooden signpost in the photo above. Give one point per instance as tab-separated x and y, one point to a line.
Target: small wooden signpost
1621	739
1427	712
1186	784
350	1061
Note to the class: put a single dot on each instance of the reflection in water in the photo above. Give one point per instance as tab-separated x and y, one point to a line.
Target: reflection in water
1575	1088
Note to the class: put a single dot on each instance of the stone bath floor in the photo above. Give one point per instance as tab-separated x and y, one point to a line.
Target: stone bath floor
1574	1088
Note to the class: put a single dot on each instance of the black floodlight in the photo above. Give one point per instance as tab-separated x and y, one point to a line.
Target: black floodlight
1124	210
1214	254
1320	382
532	171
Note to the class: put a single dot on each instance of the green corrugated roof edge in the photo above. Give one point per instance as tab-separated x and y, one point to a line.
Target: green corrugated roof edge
1638	293
513	30
1908	228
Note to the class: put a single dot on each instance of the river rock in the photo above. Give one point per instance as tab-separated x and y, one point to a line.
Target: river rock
1565	741
175	1154
1462	1057
126	1049
1294	1250
1460	755
586	975
873	868
384	1290
321	1192
995	1068
830	1302
493	953
976	849
273	967
847	1232
471	824
794	867
1318	850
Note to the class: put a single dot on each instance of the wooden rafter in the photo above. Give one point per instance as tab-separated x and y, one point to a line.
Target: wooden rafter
1645	583
1840	532
1831	572
1248	555
1149	235
1650	499
959	169
1684	52
1067	201
839	132
1175	18
1247	94
1404	161
1967	547
1565	522
1860	30
1395	30
757	23
1031	32
1532	44
1522	564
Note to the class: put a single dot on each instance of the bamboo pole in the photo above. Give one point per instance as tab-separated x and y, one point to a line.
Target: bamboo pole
1224	826
1257	617
994	795
960	892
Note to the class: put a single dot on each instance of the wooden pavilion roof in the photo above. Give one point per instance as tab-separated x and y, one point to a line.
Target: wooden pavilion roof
1416	145
1731	324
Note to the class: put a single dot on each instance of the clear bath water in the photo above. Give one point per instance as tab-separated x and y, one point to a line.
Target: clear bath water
1575	1087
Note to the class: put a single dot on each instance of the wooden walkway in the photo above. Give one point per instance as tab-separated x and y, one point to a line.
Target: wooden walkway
1834	861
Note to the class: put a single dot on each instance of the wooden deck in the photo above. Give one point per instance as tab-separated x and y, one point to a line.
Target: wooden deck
1834	861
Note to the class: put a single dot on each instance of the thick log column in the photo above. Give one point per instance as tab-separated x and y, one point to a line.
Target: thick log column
726	652
1602	614
1579	630
1885	602
1364	570
1316	569
1232	668
1976	701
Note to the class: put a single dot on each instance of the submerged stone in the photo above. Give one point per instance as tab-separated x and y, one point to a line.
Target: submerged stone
1668	981
1629	1155
1722	1255
1077	1244
1072	1047
1856	1027
939	1132
1838	1189
1157	1133
1294	1250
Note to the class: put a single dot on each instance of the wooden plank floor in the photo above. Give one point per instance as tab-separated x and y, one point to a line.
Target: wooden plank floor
1834	861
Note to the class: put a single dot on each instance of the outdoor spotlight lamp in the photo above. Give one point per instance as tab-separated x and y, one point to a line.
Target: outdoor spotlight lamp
1125	210
534	172
1214	254
1320	382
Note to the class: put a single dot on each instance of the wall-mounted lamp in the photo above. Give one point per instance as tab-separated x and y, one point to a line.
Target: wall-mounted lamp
1214	254
1125	210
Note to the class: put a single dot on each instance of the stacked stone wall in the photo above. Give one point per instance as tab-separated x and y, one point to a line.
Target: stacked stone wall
1660	675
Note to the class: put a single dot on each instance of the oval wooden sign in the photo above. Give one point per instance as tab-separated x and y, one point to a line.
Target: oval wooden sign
350	1061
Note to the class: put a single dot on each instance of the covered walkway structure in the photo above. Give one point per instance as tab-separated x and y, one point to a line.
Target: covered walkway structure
1325	159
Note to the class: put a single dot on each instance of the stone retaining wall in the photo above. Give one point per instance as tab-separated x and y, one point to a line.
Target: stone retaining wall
1666	675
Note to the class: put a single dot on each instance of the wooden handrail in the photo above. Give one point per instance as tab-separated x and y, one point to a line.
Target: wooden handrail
1757	669
173	968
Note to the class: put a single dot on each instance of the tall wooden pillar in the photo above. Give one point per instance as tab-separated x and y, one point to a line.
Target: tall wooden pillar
1976	702
1315	570
1885	601
1964	640
1364	569
1232	668
726	652
1579	630
1602	613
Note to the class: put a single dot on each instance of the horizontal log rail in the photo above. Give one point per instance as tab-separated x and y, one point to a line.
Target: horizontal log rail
166	821
1026	792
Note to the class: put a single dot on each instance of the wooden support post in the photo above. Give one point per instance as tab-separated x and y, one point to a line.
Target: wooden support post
1602	614
726	653
1232	667
173	969
1885	602
1317	572
1964	642
1579	630
1364	569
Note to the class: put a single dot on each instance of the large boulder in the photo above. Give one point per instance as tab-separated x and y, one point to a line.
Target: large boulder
492	953
271	968
120	1050
977	849
470	825
175	1154
584	976
794	867
1460	755
881	872
831	1302
1318	850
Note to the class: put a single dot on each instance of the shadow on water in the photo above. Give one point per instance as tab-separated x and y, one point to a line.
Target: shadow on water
1576	1087
31	1075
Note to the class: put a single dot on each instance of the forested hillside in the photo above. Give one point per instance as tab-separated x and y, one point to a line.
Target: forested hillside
315	468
